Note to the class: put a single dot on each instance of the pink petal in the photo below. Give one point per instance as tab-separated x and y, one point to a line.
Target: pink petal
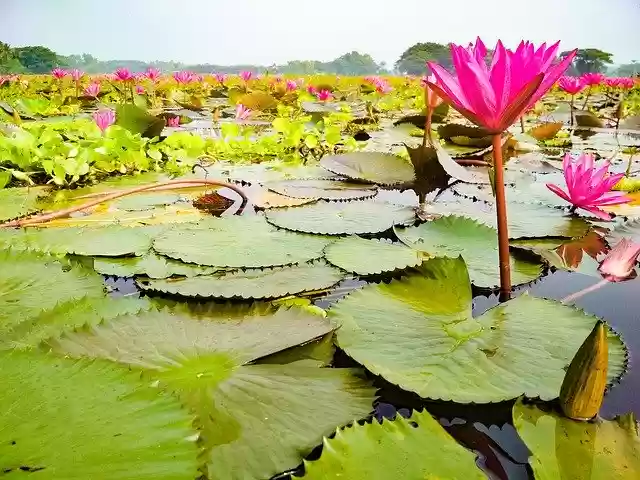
558	191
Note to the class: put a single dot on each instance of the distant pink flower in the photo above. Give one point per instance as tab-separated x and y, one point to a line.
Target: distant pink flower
626	82
104	118
592	79
242	112
246	75
123	75
221	78
312	90
184	77
300	81
571	85
76	74
173	121
588	185
291	85
59	73
277	79
153	74
139	89
620	262
92	90
324	95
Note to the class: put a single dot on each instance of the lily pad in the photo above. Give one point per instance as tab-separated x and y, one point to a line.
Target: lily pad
415	448
564	448
202	357
322	189
418	333
259	101
150	265
77	419
453	236
238	242
252	283
18	202
332	218
546	131
370	257
263	198
629	229
147	201
373	167
138	120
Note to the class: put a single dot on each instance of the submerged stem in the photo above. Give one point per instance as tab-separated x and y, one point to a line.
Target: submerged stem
584	291
571	109
584	105
427	128
522	124
501	208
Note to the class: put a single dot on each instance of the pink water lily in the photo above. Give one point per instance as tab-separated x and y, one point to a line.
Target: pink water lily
76	74
432	100
592	79
324	95
246	75
124	75
153	74
571	85
139	89
291	85
589	185
173	121
59	73
104	118
495	96
220	77
92	90
312	90
242	112
620	262
184	77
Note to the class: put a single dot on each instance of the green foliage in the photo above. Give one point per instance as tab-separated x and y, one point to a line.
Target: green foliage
590	60
413	60
38	59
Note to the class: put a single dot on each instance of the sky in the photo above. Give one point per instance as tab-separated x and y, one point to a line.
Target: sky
265	32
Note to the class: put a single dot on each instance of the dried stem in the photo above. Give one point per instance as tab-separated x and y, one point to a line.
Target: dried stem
586	100
501	207
522	123
39	219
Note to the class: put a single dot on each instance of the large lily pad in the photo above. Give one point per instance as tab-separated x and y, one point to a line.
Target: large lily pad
322	189
18	202
563	448
415	448
369	257
418	333
629	229
238	242
333	218
453	236
373	167
147	201
202	357
74	420
150	265
138	120
251	283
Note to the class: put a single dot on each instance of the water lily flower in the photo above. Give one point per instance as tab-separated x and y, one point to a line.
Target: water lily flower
123	75
620	262
184	77
221	77
324	95
242	112
246	75
139	89
104	118
571	85
173	121
592	79
626	83
92	90
495	96
76	74
312	90
432	100
59	73
291	85
153	74
589	185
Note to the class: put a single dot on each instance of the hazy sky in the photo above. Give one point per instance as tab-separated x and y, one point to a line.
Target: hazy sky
274	31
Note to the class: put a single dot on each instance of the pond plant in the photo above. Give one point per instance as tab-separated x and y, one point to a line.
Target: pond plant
301	252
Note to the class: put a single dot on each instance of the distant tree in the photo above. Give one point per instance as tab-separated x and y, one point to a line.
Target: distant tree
413	60
589	60
9	63
39	59
628	69
353	63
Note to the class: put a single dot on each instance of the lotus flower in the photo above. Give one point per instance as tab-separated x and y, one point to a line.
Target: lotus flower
291	85
571	85
173	121
139	89
626	82
242	112
496	96
324	95
59	73
246	75
588	185
312	90
153	74
620	262
104	118
124	75
592	79
221	77
431	99
76	74
92	90
184	77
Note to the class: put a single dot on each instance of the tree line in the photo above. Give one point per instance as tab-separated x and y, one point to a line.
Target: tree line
40	59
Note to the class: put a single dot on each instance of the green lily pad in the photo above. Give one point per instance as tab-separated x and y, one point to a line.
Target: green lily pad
322	189
251	283
73	420
373	167
435	348
31	283
138	120
415	448
370	257
147	201
18	202
453	236
564	448
202	356
332	218
629	229
151	265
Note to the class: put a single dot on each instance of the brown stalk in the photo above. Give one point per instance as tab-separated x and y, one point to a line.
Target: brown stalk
501	207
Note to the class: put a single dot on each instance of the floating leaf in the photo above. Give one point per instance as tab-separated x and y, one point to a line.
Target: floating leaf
373	167
151	265
263	198
320	107
74	420
564	448
238	242
629	229
18	202
418	333
450	130
137	120
369	257
478	244
259	101
252	283
322	189
333	218
147	201
413	448
585	118
546	131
